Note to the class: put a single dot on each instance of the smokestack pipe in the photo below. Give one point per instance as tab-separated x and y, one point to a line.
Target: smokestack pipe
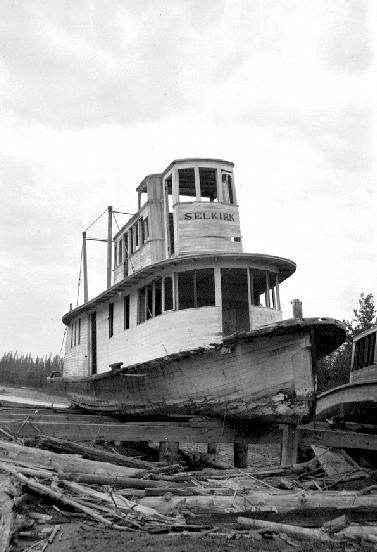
297	308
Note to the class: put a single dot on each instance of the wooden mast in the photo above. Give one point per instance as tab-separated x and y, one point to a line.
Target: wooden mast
109	244
85	267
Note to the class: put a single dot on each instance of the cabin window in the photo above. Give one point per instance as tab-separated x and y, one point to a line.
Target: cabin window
157	297
141	306
120	250
186	290
228	195
205	287
145	229
126	312
111	319
196	288
76	333
115	254
168	289
186	185
136	232
208	184
364	351
132	240
149	302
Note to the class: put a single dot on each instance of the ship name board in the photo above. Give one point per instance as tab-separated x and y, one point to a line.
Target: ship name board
205	215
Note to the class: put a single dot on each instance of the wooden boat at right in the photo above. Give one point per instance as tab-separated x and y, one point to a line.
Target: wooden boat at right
357	400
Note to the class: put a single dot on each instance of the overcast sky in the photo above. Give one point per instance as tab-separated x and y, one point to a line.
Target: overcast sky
97	94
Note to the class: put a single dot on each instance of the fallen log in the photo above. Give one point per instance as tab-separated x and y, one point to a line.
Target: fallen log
94	454
113	481
279	501
291	530
355	531
34	457
7	517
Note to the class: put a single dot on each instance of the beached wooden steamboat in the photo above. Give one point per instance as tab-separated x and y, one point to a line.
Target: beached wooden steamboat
189	324
357	400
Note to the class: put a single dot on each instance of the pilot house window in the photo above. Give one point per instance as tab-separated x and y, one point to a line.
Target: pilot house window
196	288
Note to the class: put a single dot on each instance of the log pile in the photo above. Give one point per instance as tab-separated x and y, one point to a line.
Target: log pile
129	494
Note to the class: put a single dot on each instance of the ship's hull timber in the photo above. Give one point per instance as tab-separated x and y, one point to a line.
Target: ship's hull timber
355	401
267	374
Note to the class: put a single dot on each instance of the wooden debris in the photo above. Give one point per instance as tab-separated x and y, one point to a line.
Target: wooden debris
333	462
34	457
291	530
94	453
7	517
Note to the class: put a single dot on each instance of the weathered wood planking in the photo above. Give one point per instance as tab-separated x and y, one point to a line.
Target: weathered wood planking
213	431
338	439
347	394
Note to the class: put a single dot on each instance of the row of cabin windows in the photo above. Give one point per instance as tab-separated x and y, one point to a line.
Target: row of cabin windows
131	240
195	289
204	186
364	351
76	333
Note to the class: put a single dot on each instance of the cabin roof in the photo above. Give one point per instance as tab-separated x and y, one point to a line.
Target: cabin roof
142	187
285	268
365	332
196	160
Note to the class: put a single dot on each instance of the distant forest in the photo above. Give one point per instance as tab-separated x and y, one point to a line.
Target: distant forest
19	369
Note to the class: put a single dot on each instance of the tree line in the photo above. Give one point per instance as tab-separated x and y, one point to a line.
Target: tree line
19	369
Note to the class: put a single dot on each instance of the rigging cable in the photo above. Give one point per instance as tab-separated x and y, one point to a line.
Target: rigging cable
116	222
64	336
94	221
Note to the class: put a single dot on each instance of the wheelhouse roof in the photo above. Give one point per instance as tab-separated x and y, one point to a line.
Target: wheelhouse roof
143	184
285	269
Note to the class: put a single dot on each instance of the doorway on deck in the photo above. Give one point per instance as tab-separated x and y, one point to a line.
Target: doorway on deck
235	303
93	343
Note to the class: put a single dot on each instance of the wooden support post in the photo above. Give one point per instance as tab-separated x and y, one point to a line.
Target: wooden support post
289	445
85	267
109	244
240	449
211	448
168	451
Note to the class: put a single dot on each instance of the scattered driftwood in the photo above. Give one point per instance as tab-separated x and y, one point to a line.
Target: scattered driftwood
128	493
34	457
